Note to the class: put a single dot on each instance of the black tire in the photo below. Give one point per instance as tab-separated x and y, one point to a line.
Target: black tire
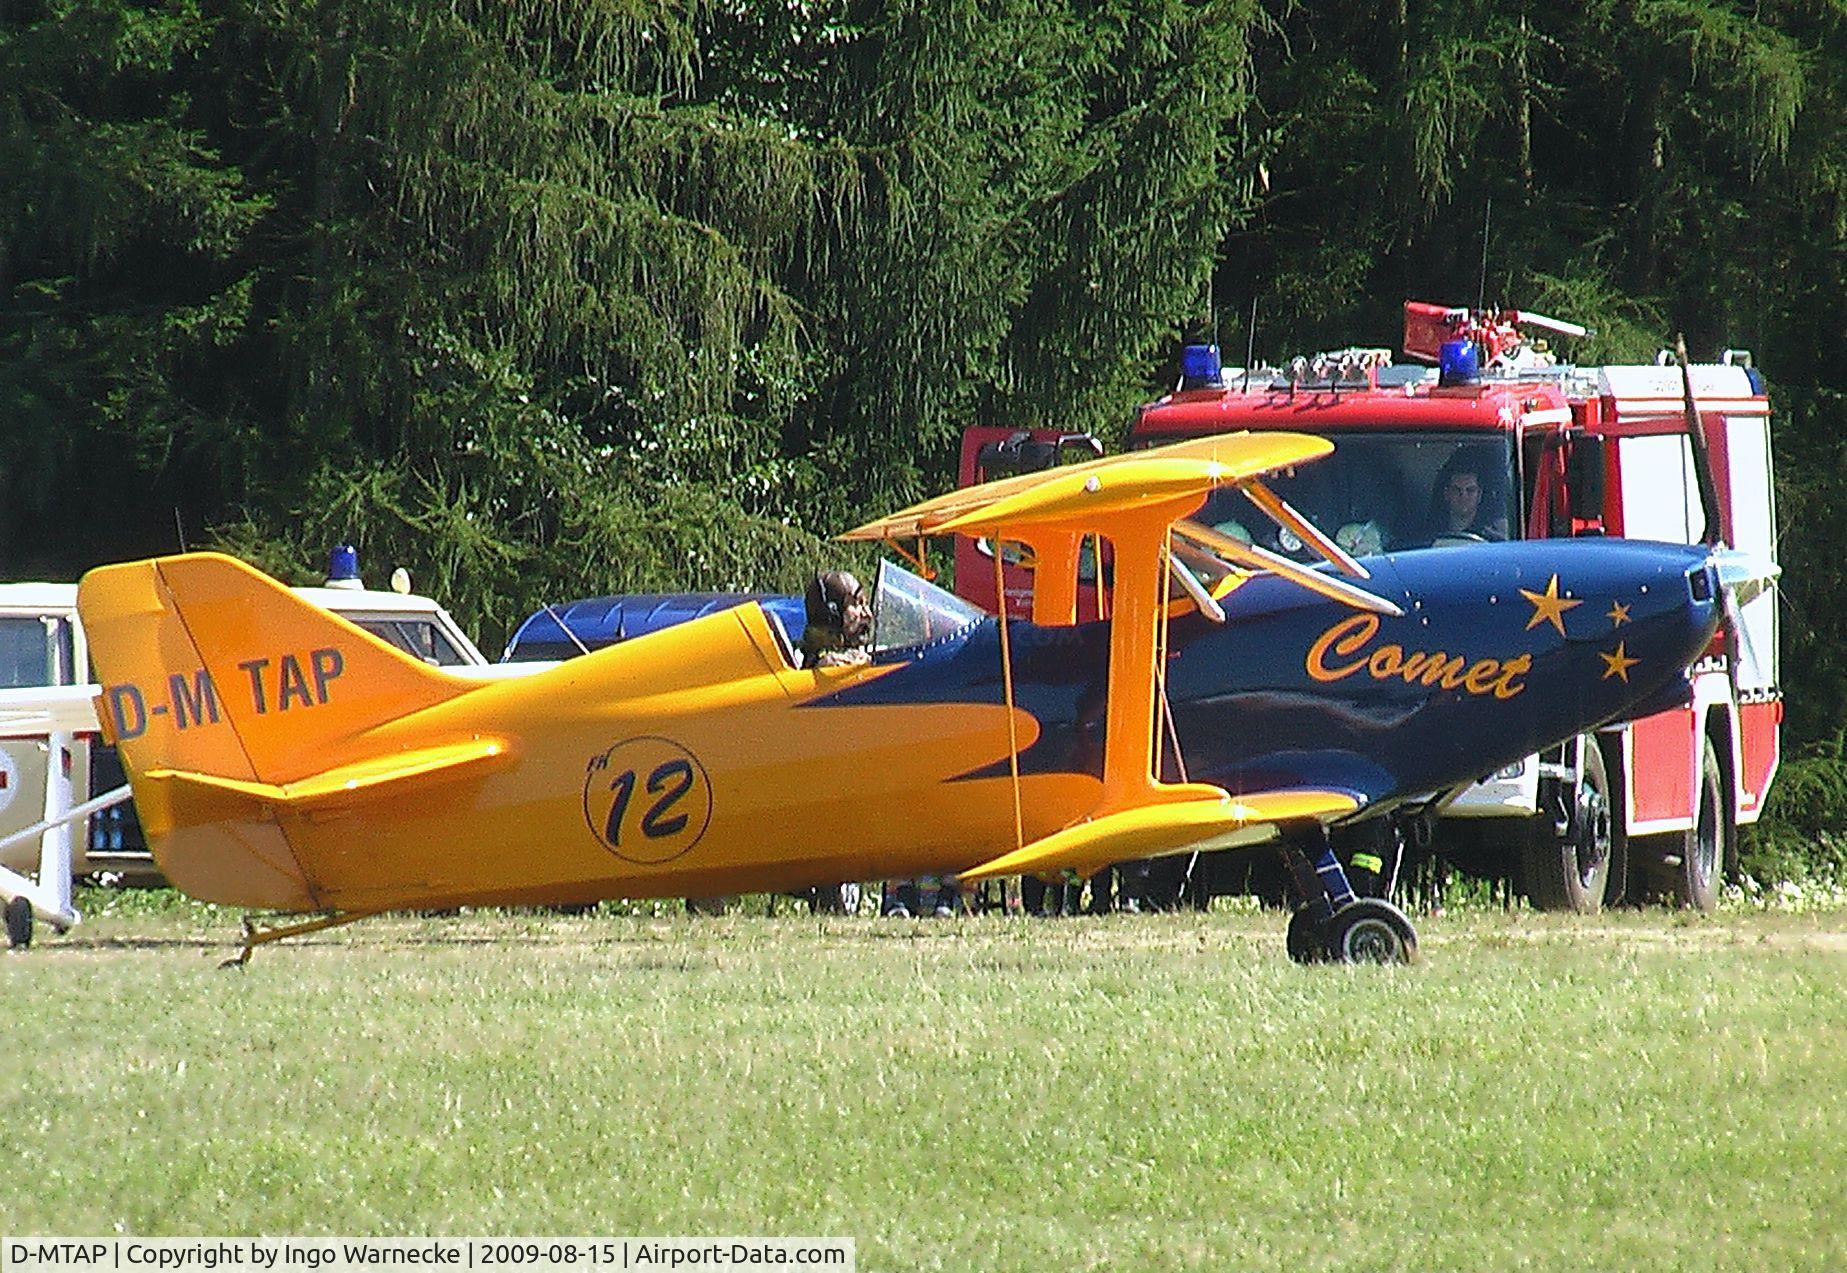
710	906
1571	872
1696	880
1369	930
1302	939
19	923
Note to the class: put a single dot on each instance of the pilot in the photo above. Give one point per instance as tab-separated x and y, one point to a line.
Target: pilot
839	631
1457	501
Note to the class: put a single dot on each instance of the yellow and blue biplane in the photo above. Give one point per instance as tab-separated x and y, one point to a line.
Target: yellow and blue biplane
284	760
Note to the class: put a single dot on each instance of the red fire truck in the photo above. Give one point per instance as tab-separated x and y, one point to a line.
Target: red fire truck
1499	439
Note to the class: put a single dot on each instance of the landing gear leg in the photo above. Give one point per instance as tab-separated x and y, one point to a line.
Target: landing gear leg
1334	926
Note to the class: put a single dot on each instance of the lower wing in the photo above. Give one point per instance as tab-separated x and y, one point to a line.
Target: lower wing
1156	829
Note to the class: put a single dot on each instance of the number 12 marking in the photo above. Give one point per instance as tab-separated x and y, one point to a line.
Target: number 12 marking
647	800
669	781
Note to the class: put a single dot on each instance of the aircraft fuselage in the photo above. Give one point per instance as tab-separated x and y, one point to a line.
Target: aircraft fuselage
697	761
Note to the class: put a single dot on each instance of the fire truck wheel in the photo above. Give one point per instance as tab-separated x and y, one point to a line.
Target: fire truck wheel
1369	930
19	923
1702	858
710	905
1570	871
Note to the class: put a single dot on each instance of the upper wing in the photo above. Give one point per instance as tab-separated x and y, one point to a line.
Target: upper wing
1084	497
1074	494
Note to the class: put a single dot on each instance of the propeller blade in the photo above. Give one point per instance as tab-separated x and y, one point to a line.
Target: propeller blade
1744	576
1702	454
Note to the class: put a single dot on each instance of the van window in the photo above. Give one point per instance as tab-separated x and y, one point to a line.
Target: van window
419	638
25	655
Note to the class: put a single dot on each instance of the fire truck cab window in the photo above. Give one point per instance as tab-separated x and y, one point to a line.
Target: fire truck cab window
1382	492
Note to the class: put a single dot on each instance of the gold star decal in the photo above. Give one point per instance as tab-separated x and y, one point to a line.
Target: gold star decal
1548	606
1617	663
1619	614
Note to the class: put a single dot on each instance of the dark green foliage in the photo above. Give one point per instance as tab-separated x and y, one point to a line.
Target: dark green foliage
551	299
1811	509
1803	835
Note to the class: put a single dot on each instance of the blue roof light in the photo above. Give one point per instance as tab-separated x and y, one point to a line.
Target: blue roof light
1200	367
1458	363
343	563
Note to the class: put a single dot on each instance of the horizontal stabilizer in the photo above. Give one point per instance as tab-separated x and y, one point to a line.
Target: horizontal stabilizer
1157	829
366	775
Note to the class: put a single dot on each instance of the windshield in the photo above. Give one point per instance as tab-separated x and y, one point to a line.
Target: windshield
907	610
1380	492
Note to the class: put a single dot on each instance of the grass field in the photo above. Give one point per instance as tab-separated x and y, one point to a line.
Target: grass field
1642	1090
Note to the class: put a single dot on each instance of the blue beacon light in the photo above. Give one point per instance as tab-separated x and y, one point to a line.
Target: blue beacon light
1458	363
1200	367
343	565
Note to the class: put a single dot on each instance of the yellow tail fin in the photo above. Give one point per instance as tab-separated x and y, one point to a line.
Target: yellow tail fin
210	667
239	709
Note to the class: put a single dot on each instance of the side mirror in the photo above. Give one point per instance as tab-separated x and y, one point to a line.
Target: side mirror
1584	476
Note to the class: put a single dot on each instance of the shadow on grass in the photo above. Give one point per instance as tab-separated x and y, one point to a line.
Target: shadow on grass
53	947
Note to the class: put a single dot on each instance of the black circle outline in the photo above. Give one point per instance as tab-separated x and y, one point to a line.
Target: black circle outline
704	825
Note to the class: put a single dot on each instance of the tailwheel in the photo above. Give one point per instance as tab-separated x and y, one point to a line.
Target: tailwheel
1369	930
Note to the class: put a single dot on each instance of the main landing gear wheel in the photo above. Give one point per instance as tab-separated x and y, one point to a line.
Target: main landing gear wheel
1368	930
1303	938
19	923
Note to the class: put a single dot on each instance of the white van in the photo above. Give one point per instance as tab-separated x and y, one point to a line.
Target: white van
42	645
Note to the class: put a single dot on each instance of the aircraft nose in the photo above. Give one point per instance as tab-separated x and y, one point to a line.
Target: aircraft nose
1673	625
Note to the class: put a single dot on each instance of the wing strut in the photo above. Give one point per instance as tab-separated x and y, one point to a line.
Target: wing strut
1171	728
1006	680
